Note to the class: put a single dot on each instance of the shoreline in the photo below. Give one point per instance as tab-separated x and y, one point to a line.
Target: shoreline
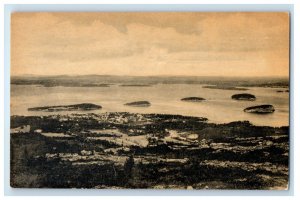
70	113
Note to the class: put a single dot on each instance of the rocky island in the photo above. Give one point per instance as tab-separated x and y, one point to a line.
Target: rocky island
260	109
74	107
138	104
193	99
244	96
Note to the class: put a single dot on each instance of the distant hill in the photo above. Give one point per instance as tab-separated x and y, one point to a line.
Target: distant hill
106	80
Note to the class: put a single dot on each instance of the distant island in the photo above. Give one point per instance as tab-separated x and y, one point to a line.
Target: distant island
193	99
243	96
261	109
138	104
92	85
224	87
75	107
281	91
135	85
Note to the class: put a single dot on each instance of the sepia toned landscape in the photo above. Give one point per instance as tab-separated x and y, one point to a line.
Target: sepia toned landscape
150	100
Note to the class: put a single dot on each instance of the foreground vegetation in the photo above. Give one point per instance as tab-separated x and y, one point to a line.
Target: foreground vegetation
126	150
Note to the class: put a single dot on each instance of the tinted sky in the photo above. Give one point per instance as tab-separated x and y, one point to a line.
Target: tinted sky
197	44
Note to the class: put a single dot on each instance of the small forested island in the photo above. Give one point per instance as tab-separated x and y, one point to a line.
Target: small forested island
139	104
135	85
244	96
193	99
74	107
260	109
224	87
281	91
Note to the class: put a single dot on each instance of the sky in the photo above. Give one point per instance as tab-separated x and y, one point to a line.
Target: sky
150	44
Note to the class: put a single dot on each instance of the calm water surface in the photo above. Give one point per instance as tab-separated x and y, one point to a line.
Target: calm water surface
164	98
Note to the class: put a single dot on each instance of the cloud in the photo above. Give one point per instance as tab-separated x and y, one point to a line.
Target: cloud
174	43
183	23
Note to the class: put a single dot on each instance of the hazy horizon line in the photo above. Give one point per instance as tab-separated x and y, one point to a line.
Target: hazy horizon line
163	75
